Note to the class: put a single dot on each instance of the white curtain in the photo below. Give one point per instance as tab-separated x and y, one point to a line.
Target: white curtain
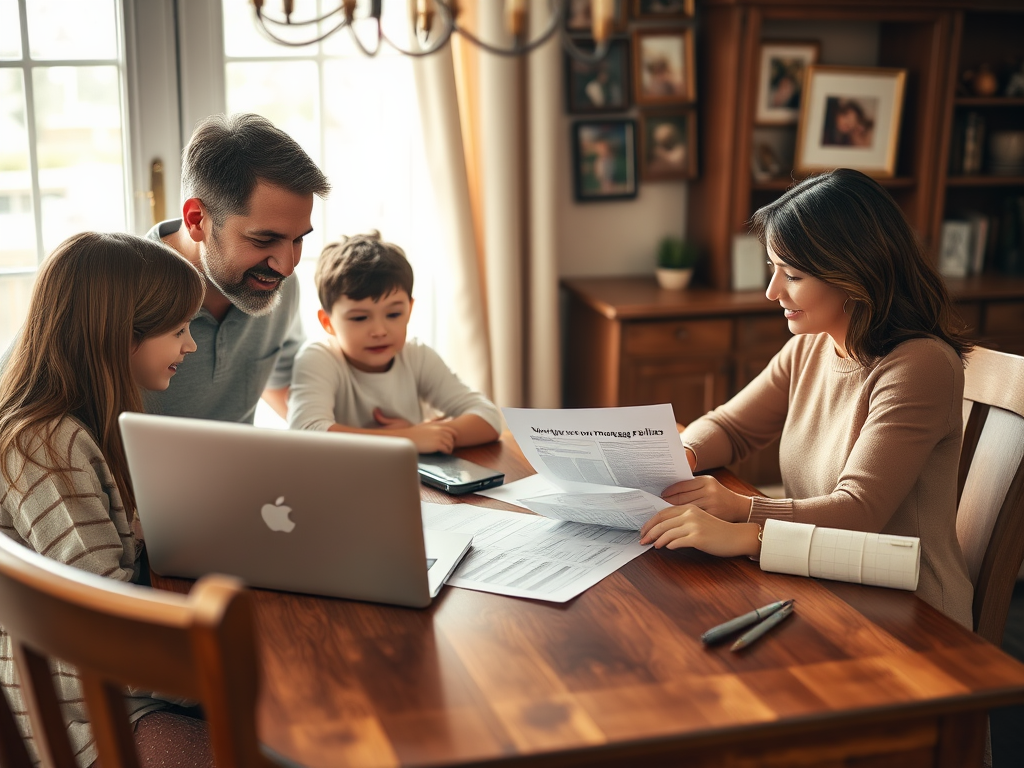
498	210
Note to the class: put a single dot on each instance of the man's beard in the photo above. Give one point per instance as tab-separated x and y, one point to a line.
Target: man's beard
252	301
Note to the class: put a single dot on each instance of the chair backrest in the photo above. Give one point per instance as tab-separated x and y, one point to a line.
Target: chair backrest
12	749
990	484
200	647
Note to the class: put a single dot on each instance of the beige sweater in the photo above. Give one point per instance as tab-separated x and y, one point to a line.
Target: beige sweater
863	448
82	524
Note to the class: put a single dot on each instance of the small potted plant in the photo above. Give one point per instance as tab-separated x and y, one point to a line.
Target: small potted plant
676	258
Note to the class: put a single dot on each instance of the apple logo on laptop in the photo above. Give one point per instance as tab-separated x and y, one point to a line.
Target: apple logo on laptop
276	516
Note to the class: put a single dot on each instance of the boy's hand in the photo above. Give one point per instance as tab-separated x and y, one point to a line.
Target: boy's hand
390	423
431	437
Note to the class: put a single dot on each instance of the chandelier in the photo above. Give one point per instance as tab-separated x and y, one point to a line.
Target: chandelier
434	22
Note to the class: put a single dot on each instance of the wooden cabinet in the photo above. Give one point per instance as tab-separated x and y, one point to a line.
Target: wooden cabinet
934	42
983	36
628	342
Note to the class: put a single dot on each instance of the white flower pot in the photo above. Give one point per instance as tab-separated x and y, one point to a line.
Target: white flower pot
673	279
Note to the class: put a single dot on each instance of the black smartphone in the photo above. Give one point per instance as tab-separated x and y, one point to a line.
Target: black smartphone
455	475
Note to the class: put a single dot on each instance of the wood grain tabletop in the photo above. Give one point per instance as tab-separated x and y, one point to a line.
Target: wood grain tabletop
618	676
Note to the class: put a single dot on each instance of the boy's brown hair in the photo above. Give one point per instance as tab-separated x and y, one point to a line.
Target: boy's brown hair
359	267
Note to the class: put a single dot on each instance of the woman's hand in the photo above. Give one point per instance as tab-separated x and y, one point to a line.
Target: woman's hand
711	496
690	526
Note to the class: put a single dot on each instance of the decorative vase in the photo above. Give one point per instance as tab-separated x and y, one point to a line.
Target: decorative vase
673	279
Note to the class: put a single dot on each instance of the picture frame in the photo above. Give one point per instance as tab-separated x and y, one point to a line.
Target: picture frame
780	79
663	67
604	160
667	10
668	145
578	18
850	117
601	87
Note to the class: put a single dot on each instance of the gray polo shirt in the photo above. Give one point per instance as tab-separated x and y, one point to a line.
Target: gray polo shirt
237	358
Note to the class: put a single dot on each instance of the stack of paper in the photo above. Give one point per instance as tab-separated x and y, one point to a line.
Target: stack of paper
600	473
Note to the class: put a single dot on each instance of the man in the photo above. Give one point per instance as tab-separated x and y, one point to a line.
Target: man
248	190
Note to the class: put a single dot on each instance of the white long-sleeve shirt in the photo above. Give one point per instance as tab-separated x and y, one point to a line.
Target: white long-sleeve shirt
326	390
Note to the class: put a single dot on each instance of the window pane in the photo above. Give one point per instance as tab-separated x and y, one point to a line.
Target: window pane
242	37
284	92
374	155
72	29
15	292
10	30
80	150
370	145
18	244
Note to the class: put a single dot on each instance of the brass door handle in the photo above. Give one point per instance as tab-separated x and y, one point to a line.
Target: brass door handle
156	196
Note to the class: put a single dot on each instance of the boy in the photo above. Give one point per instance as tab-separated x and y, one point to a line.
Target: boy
366	378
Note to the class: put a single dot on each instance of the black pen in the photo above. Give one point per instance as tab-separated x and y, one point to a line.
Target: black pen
720	632
749	637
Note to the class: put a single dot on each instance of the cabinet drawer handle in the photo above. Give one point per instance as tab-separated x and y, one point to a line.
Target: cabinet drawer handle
682	334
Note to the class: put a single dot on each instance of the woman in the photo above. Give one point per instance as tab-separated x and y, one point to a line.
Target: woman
867	396
109	316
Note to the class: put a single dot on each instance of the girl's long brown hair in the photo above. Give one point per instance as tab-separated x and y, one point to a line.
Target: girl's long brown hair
96	297
842	227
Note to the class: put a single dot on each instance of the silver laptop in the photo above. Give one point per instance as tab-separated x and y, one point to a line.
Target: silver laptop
327	514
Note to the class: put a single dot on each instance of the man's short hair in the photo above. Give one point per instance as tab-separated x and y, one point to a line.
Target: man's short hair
228	156
361	266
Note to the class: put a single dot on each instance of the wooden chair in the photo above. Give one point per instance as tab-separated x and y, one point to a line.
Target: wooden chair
990	484
198	647
12	749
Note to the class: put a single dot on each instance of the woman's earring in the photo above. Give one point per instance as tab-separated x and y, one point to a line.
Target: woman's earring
845	303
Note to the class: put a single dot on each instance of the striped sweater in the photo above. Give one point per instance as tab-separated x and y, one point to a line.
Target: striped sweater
80	521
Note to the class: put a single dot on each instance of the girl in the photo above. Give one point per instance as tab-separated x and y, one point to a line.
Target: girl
868	396
109	315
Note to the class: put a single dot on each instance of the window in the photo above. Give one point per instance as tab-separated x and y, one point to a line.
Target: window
65	160
358	118
63	149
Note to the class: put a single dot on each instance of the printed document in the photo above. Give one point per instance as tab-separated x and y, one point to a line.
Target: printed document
529	556
607	466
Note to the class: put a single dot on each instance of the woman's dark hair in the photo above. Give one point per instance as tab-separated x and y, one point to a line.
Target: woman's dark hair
843	228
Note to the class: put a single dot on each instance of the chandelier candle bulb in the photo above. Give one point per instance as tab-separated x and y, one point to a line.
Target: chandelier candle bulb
424	16
602	12
515	17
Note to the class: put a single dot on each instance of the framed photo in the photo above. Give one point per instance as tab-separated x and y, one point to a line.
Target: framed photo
668	145
850	117
663	66
600	87
578	17
780	80
604	160
663	9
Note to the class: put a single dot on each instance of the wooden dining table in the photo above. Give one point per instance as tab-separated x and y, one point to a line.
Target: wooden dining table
618	676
